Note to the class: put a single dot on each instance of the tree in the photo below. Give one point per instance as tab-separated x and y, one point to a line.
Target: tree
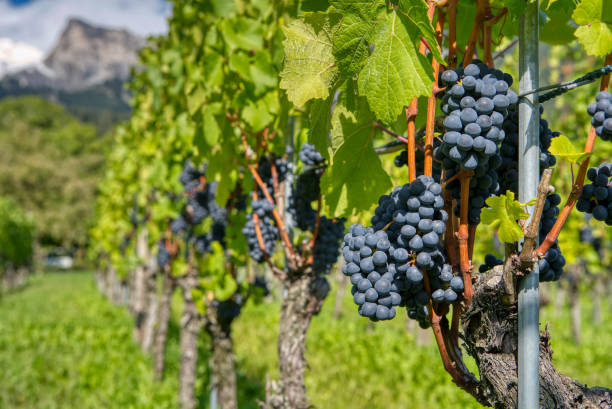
50	163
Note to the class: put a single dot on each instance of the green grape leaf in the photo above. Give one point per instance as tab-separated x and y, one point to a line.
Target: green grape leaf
259	113
352	40
309	70
242	33
240	63
415	14
263	73
595	31
396	72
502	213
195	100
211	127
557	29
320	124
355	177
563	147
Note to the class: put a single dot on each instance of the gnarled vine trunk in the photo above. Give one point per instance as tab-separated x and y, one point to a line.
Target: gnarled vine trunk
222	360
148	330
303	300
163	319
139	300
491	337
190	332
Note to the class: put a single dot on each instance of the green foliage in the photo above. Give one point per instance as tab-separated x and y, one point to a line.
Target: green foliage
561	146
309	70
50	163
502	213
595	31
16	236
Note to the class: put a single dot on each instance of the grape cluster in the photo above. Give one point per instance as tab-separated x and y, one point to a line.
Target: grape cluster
307	189
179	224
228	310
326	246
163	255
490	261
388	262
596	198
310	156
586	236
264	169
190	176
269	232
508	171
476	102
402	160
601	111
551	265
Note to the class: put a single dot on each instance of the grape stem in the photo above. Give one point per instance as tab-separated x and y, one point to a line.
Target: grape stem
452	33
431	101
481	15
503	52
527	254
462	236
463	379
578	184
488	39
411	113
390	132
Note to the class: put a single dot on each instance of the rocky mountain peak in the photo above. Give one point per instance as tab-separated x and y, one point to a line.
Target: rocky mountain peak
87	55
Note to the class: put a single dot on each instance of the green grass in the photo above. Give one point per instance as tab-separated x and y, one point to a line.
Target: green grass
62	345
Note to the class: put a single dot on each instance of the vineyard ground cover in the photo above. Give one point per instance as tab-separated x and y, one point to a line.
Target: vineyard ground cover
80	354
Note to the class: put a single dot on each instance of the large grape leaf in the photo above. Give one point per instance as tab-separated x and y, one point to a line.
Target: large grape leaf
595	31
352	40
320	124
415	14
502	213
396	72
557	29
310	68
355	178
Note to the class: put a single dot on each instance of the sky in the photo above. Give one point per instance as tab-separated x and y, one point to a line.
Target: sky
30	28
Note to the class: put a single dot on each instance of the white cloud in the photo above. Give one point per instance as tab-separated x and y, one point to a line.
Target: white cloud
40	22
17	55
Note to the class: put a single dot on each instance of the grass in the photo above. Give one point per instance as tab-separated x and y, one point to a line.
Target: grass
62	345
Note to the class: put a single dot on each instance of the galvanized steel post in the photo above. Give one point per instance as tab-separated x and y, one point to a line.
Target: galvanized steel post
529	178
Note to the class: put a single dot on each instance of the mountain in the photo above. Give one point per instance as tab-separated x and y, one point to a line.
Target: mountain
85	71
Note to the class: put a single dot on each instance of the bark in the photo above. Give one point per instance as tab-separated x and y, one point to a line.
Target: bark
190	332
139	299
148	330
304	298
163	319
222	360
490	331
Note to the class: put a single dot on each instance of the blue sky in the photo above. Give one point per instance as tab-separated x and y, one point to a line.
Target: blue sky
38	23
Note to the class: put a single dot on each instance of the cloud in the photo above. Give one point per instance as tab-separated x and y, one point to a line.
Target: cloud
40	22
17	55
